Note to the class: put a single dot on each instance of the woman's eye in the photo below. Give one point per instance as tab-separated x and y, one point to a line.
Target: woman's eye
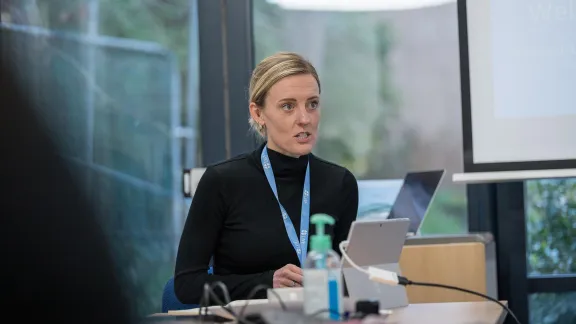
287	106
314	104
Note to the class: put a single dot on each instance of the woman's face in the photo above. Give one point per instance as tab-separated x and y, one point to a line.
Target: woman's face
291	115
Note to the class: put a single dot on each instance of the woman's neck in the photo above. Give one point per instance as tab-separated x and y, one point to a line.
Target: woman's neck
272	146
286	165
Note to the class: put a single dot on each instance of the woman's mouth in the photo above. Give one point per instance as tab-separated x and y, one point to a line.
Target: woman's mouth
303	137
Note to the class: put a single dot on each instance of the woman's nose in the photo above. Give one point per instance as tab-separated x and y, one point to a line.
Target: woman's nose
303	116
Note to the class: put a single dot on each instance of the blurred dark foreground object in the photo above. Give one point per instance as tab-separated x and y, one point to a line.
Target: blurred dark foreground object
56	265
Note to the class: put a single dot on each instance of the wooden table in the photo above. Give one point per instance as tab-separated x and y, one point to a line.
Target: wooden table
449	313
432	313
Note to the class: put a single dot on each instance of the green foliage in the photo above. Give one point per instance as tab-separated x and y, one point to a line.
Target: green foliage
447	214
553	308
388	156
359	101
267	24
162	21
334	149
551	245
551	211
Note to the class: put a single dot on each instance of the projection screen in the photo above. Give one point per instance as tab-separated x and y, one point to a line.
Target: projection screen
518	68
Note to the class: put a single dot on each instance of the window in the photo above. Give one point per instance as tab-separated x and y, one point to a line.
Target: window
553	308
124	76
550	249
551	226
390	96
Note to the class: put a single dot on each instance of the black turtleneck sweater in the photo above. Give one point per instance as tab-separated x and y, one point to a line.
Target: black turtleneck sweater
235	217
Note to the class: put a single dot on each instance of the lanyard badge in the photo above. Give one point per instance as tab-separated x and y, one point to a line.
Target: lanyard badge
300	245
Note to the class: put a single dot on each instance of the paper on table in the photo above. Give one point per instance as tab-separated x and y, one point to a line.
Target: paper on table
235	306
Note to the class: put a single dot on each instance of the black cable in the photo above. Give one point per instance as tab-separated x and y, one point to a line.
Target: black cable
224	289
209	294
221	304
253	293
204	301
406	282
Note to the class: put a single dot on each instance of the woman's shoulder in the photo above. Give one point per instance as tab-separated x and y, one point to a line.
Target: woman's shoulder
232	166
331	170
227	175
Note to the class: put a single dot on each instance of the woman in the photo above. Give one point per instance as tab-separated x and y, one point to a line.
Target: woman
235	215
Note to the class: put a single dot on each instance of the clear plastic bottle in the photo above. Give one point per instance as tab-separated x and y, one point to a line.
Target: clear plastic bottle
322	274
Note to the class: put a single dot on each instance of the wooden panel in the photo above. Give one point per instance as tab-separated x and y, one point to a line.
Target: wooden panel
456	264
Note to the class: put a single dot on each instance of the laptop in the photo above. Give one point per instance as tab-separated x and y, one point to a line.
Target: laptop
415	197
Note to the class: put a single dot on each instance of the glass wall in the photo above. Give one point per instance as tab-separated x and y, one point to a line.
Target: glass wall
390	96
121	78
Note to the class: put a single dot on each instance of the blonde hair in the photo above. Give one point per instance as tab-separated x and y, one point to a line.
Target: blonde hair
271	70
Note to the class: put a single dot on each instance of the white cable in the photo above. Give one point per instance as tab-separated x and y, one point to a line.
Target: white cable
374	274
342	246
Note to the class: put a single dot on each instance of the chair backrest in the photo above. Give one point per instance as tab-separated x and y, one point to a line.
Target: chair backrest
169	299
456	264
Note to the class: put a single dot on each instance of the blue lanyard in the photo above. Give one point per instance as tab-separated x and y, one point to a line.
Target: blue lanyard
300	245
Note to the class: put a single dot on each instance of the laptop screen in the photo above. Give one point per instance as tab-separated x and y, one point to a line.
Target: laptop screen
415	197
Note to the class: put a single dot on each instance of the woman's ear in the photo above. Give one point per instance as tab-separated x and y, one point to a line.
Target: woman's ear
256	113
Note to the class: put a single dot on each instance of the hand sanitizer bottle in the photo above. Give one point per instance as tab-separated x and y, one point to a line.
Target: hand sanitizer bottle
322	274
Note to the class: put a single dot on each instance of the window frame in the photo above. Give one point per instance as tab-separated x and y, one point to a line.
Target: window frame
226	61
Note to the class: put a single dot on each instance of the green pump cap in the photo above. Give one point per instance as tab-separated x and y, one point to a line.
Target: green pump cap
321	242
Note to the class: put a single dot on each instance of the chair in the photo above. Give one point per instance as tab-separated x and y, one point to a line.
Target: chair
169	299
467	261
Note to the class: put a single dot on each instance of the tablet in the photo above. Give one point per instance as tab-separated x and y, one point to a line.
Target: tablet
376	243
373	242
